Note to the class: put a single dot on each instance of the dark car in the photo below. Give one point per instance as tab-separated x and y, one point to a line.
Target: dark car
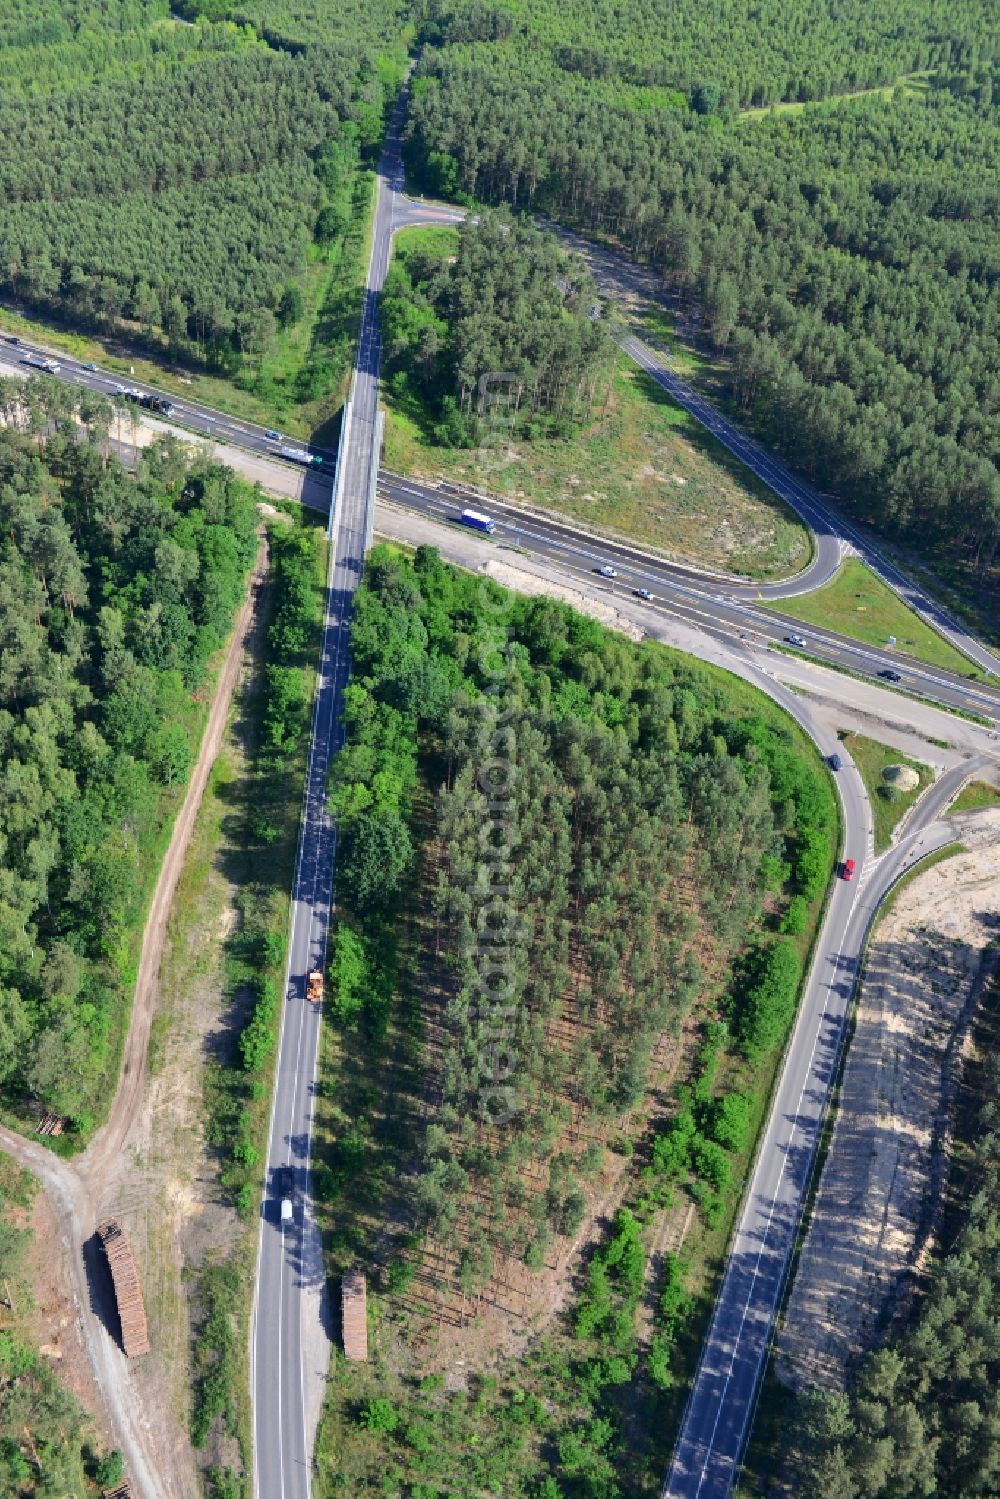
835	762
889	675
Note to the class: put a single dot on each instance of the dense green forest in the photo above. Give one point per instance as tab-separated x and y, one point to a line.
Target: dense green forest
922	1415
554	845
727	54
172	180
846	254
114	592
511	301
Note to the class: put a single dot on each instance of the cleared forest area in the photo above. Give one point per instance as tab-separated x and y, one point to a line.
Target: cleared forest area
577	881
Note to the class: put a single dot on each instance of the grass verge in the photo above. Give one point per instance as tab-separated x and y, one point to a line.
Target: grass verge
858	604
974	795
223	972
642	468
890	803
260	836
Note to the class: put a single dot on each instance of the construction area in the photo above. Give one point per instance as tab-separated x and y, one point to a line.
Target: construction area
128	1291
882	1189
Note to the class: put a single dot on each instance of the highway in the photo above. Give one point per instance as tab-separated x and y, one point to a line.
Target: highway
715	601
289	1343
21	356
289	1332
718	601
719	1412
710	603
834	535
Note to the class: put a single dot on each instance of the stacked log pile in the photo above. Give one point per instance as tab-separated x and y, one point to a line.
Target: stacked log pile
128	1291
354	1313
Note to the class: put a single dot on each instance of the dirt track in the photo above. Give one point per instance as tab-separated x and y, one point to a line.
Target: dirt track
76	1188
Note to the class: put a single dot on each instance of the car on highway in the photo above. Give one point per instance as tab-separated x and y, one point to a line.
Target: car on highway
798	640
90	365
890	676
835	762
284	1189
847	869
643	593
608	572
52	366
12	338
272	436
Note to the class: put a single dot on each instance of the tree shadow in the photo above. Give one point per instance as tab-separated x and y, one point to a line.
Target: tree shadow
884	1182
101	1289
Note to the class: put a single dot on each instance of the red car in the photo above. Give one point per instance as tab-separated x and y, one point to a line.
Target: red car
847	869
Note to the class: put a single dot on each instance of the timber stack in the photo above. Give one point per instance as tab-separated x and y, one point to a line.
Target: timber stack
354	1315
128	1291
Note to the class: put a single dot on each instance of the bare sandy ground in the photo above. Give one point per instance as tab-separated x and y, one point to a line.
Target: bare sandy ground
875	1213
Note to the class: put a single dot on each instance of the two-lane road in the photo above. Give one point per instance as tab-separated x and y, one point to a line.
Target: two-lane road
289	1334
719	1411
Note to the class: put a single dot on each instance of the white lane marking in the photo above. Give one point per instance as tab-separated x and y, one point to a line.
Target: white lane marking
761	617
303	825
809	504
774	1202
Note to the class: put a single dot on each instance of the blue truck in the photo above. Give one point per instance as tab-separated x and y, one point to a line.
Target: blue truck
478	521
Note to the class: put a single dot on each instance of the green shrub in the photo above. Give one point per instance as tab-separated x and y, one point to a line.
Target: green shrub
379	1414
729	1121
793	923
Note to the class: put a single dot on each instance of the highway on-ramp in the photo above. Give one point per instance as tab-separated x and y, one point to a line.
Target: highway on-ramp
834	536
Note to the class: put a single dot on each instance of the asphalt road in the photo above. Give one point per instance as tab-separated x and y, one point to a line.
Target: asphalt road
720	1408
708	602
834	535
287	1355
289	1341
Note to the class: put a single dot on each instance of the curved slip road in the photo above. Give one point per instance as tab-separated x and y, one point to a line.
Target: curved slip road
834	536
719	1413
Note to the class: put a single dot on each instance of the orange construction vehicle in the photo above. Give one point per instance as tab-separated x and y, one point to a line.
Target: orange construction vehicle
314	991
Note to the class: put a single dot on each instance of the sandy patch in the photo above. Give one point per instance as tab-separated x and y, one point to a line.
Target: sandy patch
876	1211
534	584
